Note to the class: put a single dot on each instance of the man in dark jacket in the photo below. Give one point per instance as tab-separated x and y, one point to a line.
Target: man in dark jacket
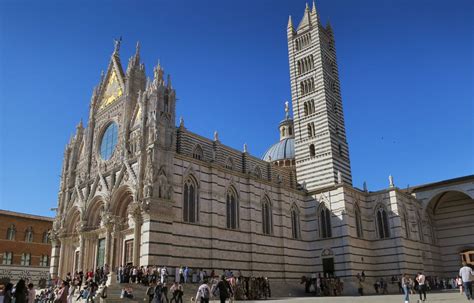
225	291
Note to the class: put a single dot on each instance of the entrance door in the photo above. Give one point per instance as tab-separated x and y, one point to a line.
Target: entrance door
128	252
328	267
100	253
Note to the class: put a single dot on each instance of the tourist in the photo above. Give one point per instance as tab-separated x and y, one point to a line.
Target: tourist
164	291
157	294
31	293
420	278
466	273
177	292
459	284
2	292
150	292
360	287
63	292
164	274
225	292
406	287
203	293
20	292
186	274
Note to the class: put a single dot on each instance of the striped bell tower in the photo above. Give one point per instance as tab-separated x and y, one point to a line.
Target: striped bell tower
321	149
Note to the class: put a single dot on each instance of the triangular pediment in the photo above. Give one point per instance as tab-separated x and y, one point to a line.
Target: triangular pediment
114	86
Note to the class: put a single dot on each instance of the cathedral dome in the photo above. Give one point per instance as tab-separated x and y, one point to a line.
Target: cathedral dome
283	150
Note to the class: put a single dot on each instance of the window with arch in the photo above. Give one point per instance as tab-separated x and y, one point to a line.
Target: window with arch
29	234
229	164
267	217
109	141
190	201
198	153
11	231
421	234
25	259
46	237
232	209
325	229
358	222
383	227
311	129
312	151
7	258
295	222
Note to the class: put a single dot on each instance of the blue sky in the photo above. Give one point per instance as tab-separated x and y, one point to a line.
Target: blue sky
406	69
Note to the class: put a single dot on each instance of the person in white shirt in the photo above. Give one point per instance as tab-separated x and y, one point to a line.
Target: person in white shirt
203	294
421	285
466	274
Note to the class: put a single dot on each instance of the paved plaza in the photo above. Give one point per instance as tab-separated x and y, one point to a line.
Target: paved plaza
445	297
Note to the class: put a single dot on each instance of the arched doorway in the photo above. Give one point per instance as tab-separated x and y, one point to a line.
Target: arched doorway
451	214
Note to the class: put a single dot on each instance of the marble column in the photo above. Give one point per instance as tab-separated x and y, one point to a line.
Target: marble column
54	262
80	262
61	260
137	219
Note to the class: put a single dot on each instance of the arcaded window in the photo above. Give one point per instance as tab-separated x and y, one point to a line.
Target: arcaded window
11	231
295	222
232	209
267	217
198	153
25	259
312	151
229	164
325	222
29	234
383	227
44	261
7	258
358	222
190	203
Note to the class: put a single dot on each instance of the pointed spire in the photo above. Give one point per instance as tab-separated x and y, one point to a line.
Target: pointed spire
80	126
137	49
117	43
307	7
313	9
169	81
290	22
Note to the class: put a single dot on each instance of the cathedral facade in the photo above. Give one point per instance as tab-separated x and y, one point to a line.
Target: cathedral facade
138	187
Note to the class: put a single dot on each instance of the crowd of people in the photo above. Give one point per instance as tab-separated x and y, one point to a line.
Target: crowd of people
91	285
323	285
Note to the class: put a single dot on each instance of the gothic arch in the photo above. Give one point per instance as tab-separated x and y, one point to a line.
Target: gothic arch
120	201
93	211
73	217
267	215
295	221
198	152
190	194
232	208
382	221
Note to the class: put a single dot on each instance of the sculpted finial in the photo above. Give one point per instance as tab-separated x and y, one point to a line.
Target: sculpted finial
287	109
245	147
117	43
216	136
